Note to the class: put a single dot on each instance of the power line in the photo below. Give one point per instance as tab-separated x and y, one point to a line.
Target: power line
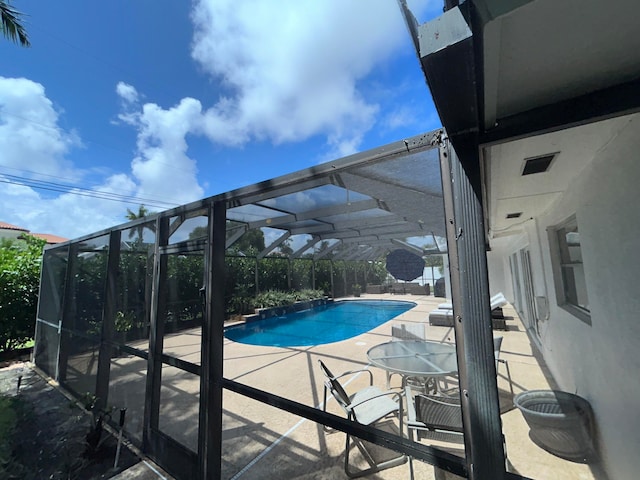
83	192
22	171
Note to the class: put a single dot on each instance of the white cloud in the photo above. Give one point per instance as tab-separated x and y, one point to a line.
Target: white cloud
67	215
292	71
288	72
400	117
162	167
29	132
127	92
32	140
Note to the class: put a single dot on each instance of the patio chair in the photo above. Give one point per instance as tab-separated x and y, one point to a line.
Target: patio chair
406	331
367	407
497	345
443	383
436	418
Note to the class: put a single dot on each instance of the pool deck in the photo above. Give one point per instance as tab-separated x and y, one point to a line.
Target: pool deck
262	442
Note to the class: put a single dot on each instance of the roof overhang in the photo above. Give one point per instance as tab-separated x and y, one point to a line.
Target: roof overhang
518	79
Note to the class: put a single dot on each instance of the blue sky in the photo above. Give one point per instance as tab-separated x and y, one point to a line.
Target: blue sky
164	102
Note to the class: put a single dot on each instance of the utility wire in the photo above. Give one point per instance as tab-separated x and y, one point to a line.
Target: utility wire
84	192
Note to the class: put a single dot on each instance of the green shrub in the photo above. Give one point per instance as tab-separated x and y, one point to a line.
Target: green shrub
276	298
19	280
308	294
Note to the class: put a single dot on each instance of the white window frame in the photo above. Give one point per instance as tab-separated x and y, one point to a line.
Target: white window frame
565	285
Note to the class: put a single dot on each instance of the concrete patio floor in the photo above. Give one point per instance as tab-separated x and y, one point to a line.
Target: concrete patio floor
262	442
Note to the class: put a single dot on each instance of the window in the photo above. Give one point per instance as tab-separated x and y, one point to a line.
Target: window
569	277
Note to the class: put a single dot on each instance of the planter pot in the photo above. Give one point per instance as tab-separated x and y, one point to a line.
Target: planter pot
559	422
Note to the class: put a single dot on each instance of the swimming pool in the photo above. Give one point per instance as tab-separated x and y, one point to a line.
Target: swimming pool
324	324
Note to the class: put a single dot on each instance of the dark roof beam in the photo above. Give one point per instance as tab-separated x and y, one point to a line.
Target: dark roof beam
316	229
372	222
350	207
273	221
360	254
236	236
304	248
390	190
622	99
408	246
349	250
265	193
275	244
315	214
327	251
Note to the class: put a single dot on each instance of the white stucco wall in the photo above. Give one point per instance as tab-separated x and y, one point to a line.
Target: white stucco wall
601	361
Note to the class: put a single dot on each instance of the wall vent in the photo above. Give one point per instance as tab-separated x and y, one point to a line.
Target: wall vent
538	164
514	215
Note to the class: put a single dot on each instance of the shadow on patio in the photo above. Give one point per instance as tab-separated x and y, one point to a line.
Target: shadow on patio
260	441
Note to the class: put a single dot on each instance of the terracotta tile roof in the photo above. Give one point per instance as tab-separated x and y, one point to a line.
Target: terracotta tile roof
8	226
47	237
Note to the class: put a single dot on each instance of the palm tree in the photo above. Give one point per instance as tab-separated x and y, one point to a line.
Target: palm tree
434	261
142	212
131	215
11	25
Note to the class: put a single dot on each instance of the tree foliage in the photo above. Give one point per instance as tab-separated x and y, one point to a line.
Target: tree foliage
434	261
19	280
11	24
141	213
251	243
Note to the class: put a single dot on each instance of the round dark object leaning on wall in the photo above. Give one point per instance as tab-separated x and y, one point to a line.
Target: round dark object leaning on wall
560	422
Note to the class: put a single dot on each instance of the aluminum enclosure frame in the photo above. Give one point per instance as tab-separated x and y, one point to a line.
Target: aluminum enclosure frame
477	368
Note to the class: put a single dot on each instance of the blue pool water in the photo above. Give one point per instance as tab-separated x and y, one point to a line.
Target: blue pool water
324	324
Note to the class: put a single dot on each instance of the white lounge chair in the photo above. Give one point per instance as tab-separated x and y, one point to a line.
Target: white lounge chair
443	315
497	301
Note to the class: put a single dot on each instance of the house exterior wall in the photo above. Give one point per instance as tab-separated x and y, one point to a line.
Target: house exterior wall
11	234
599	362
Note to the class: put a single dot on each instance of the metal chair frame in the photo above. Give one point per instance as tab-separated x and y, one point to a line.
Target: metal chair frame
367	406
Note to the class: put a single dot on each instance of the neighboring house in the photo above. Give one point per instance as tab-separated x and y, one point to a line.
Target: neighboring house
539	100
49	238
14	232
11	232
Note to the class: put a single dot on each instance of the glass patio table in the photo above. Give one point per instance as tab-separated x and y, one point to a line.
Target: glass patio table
417	359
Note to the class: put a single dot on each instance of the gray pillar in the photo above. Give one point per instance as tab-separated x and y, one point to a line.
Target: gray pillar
472	314
157	312
333	292
210	431
313	274
69	311
108	322
257	277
